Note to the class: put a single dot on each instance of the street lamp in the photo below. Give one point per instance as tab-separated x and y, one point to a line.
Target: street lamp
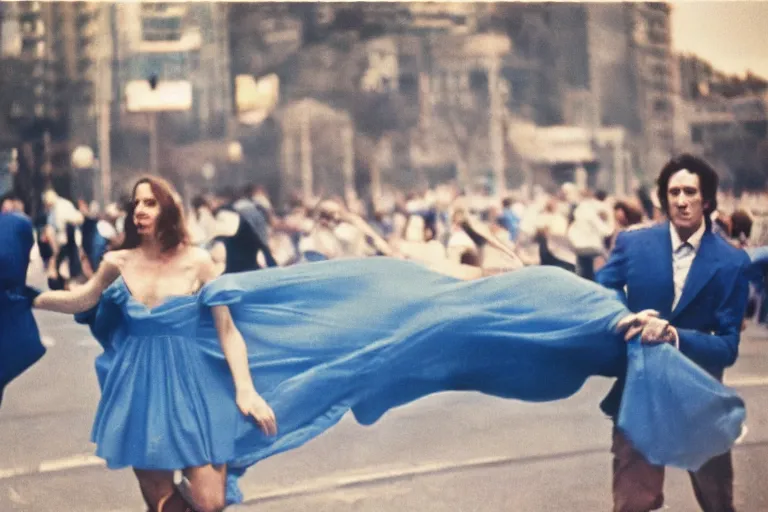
235	158
235	152
84	160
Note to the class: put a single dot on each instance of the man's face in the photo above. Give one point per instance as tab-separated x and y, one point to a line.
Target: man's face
686	204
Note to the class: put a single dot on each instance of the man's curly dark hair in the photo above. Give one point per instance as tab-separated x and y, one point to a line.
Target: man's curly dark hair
708	180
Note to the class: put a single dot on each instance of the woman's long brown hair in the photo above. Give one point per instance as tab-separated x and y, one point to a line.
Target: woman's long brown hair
170	228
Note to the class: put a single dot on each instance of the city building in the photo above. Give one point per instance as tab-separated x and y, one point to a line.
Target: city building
653	61
615	64
48	91
180	42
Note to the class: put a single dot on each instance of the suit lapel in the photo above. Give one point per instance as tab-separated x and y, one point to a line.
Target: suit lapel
663	271
702	270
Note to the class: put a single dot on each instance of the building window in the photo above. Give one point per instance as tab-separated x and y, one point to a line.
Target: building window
161	28
478	82
697	134
408	84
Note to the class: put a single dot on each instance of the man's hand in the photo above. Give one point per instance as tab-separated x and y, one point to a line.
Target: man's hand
632	325
655	332
651	328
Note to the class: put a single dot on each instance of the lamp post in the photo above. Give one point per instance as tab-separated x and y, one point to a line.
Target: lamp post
154	150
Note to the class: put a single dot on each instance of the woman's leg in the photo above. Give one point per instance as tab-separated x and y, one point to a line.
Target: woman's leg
205	488
155	486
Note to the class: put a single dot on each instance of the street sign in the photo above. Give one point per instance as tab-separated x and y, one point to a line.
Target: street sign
256	99
168	96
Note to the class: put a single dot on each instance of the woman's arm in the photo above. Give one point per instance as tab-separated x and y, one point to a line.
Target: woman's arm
484	232
248	400
82	298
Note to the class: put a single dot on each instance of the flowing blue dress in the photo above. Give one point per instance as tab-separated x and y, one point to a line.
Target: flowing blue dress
368	335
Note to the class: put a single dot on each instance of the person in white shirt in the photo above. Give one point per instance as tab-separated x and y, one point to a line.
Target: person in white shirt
62	216
592	225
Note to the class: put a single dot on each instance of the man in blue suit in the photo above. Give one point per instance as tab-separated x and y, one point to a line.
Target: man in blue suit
696	285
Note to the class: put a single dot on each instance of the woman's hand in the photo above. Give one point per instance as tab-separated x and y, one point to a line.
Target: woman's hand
250	403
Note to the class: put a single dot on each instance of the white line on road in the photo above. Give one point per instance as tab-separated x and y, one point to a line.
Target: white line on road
747	382
49	466
327	484
78	461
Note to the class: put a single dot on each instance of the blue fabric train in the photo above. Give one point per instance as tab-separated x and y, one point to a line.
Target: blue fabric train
369	335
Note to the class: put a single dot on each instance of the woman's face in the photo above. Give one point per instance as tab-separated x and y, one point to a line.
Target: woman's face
146	210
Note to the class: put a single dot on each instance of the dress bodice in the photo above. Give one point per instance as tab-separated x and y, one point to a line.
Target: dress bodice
175	315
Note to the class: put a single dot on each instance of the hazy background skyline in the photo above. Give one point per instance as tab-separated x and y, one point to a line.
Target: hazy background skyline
733	35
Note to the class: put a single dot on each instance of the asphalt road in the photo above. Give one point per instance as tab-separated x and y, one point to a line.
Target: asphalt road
450	452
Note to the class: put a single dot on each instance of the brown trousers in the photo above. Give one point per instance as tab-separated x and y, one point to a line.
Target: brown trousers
638	486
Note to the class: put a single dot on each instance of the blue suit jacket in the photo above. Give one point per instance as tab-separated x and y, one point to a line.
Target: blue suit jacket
710	311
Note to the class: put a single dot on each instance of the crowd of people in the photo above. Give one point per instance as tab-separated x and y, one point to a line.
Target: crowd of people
571	228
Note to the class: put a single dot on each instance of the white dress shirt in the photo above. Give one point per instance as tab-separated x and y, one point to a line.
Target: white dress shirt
683	254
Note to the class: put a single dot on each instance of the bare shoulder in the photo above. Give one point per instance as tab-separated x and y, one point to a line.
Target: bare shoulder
118	258
198	255
203	263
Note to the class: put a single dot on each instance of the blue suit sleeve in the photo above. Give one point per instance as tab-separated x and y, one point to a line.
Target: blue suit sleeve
721	348
613	274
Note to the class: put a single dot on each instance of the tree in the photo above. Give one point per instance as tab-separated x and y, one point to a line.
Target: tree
376	116
460	129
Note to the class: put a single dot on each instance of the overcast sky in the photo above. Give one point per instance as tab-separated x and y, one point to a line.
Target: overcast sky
733	35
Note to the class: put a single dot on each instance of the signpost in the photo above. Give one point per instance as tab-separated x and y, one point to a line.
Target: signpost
152	96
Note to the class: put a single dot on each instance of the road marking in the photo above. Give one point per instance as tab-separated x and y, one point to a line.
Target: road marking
335	483
47	341
747	382
78	461
50	466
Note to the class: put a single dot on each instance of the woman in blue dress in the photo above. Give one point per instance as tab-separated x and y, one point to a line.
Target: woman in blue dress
209	375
